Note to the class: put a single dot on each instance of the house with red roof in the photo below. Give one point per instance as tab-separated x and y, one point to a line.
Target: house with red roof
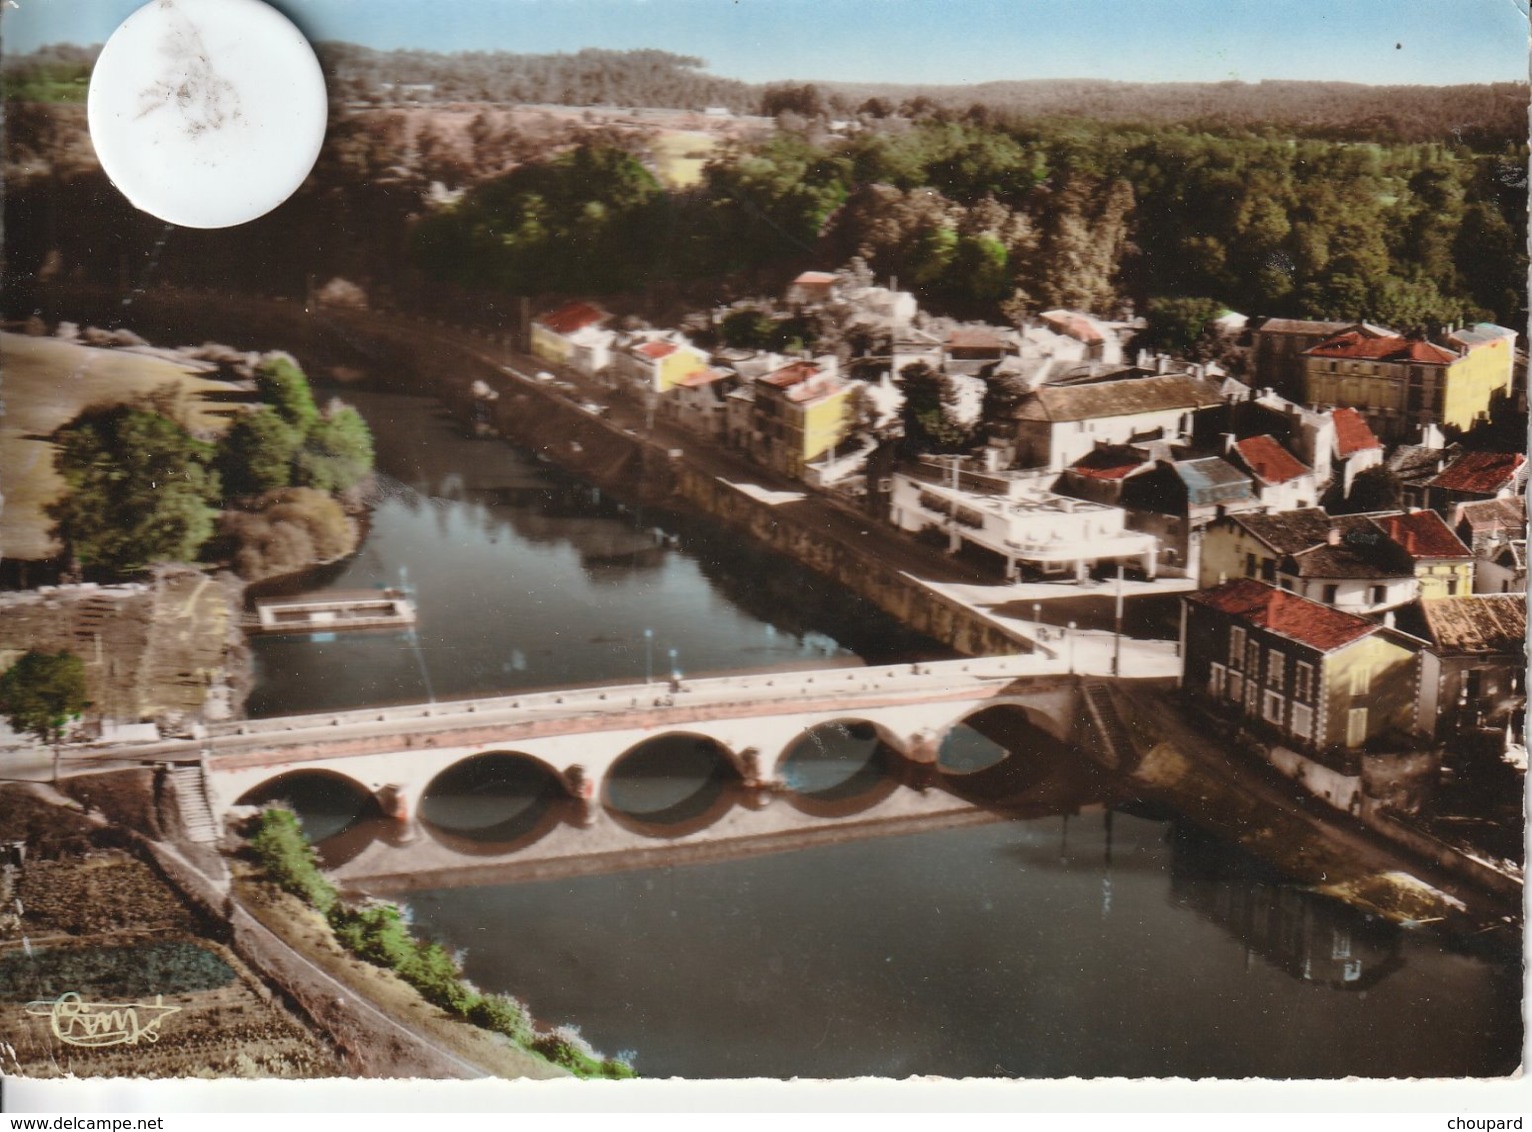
573	335
1319	685
1277	346
653	362
1282	481
1402	384
1474	665
1474	476
800	412
810	288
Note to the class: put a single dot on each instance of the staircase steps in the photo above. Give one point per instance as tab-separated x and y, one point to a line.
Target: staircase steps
1115	747
190	788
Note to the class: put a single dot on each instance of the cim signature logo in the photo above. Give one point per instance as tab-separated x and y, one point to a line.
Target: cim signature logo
80	1023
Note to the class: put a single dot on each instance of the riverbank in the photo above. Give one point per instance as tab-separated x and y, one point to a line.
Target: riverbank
258	989
1249	804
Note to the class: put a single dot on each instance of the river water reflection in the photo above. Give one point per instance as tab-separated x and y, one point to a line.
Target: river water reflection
1041	945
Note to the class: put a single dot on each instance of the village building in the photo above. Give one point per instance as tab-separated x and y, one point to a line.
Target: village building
800	412
1055	425
653	362
1097	341
1176	500
1401	384
1013	517
1276	351
1474	476
1473	667
1319	686
572	335
698	401
1496	531
972	350
811	288
1363	564
1282	481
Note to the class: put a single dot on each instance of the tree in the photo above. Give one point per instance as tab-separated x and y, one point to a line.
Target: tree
42	692
284	387
336	453
1177	323
141	489
257	452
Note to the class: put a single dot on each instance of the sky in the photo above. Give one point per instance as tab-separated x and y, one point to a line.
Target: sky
1434	42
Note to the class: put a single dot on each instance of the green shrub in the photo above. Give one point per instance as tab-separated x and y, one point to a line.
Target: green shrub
564	1046
504	1015
289	860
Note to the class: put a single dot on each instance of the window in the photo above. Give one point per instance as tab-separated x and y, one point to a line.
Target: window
1303	680
1276	668
1452	587
1236	646
1361	680
1217	674
1330	593
1379	594
1271	708
1253	661
1356	727
1236	686
1269	570
1303	721
1249	565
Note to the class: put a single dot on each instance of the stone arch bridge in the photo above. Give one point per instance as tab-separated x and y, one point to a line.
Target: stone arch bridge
579	735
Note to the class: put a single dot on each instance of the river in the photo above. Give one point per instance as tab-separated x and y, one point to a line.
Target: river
1075	941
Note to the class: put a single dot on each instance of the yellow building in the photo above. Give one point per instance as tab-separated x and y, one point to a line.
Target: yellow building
1400	384
1321	682
801	412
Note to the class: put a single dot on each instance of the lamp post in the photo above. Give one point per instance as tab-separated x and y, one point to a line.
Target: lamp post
648	656
1117	640
675	668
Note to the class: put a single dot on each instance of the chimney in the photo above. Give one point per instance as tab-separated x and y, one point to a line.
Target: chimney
1334	536
1228	442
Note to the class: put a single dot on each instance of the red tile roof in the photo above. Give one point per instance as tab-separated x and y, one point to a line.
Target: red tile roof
1351	433
1268	460
1477	624
1494	515
1073	325
1355	345
656	350
571	317
700	377
1480	473
1286	614
1109	463
791	374
1423	534
814	279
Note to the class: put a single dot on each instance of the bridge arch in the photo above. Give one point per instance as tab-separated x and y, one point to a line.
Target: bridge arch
841	766
673	783
328	803
494	801
998	751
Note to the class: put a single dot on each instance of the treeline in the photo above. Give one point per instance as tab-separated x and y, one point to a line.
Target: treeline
1481	116
591	77
986	220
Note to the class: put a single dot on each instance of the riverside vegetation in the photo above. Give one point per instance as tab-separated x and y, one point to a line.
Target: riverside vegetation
379	933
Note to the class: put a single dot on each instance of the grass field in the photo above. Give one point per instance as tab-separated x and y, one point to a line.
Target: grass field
676	152
48	382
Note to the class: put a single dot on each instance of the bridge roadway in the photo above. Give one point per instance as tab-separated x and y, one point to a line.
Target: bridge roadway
578	735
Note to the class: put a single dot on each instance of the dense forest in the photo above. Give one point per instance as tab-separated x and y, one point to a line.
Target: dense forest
985	220
984	209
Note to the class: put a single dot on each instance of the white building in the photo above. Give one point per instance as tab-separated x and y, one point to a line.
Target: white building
1012	516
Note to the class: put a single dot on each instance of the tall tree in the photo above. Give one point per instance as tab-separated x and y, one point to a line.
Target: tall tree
42	692
141	489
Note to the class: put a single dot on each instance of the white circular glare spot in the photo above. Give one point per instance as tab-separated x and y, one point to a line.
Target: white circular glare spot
207	113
